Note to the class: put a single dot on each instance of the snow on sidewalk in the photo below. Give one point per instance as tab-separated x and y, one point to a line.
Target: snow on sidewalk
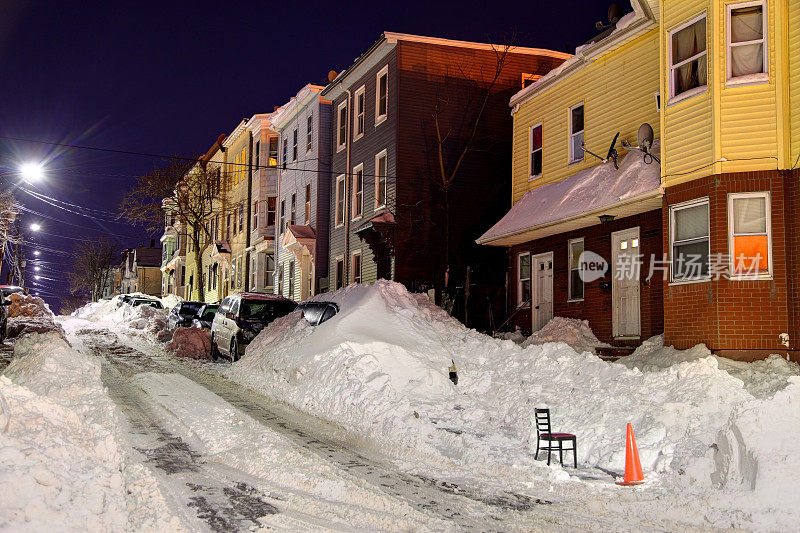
61	461
379	369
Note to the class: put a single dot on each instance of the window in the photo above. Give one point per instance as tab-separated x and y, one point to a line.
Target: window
253	272
687	57
340	200
255	215
360	105
269	271
235	214
283	216
291	279
575	281
380	179
356	267
689	241
243	166
241	217
536	151
271	210
358	191
280	279
233	271
308	204
339	273
228	228
239	272
285	152
747	50
382	95
749	227
257	154
216	228
341	139
523	278
273	152
294	145
309	132
293	212
215	272
576	133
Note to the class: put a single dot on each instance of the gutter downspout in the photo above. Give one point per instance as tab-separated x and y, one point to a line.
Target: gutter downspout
249	214
347	194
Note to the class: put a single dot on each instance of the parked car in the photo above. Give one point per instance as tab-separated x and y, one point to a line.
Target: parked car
318	312
242	316
205	316
8	290
182	314
136	302
125	298
4	303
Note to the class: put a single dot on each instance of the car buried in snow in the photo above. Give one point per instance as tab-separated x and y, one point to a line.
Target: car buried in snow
8	290
182	314
142	302
242	316
124	299
205	316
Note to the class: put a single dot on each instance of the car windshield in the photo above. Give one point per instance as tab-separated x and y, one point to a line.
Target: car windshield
189	308
209	312
264	310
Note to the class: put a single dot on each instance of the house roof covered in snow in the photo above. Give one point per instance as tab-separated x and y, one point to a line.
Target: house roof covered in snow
576	202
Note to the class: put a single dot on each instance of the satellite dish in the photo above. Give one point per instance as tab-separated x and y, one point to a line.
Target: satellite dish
645	139
615	13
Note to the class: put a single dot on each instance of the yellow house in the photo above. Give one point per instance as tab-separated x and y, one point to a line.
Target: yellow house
706	213
571	200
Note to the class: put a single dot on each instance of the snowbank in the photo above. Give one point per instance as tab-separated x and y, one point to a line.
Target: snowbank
59	461
192	343
23	305
576	333
144	319
29	314
380	368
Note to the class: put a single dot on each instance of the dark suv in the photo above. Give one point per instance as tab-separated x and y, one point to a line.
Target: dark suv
182	314
241	317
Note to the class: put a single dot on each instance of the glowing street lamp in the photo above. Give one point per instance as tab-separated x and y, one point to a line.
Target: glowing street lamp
36	226
37	269
36	252
32	172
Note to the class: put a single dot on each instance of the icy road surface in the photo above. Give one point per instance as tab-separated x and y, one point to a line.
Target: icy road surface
229	459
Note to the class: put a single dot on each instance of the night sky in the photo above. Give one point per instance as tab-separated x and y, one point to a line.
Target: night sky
167	78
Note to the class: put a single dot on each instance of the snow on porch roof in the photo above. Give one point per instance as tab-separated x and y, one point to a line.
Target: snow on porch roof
575	202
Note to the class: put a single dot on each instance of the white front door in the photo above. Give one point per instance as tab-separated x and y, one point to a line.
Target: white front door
542	292
626	264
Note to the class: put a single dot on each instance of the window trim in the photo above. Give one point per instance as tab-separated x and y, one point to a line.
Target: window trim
768	214
695	91
570	299
677	207
752	79
384	154
310	133
520	255
570	159
360	266
336	210
380	119
336	280
341	141
295	150
361	91
353	196
531	175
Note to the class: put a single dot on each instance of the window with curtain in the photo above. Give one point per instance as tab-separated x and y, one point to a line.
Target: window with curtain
340	200
382	95
360	106
688	59
307	218
576	133
342	132
575	281
746	40
294	145
358	191
309	132
690	243
750	239
523	278
536	151
357	267
380	179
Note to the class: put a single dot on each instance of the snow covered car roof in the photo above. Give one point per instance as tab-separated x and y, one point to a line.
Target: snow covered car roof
575	202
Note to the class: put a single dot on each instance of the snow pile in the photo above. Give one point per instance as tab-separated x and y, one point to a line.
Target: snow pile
380	368
142	318
192	343
517	336
24	305
574	332
59	461
170	300
29	314
762	379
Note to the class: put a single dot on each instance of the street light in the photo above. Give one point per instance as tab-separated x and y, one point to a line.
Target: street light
37	269
32	172
36	252
36	226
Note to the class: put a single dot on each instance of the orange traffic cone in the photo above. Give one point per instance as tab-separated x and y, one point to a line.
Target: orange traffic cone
633	468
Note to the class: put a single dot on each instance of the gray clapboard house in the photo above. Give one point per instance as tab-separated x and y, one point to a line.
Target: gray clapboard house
301	235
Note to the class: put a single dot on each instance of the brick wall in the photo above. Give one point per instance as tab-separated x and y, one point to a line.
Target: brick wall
596	306
739	319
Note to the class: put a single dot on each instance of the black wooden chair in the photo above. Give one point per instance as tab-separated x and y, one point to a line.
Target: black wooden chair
544	434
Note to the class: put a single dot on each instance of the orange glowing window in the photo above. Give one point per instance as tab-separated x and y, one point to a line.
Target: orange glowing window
750	242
